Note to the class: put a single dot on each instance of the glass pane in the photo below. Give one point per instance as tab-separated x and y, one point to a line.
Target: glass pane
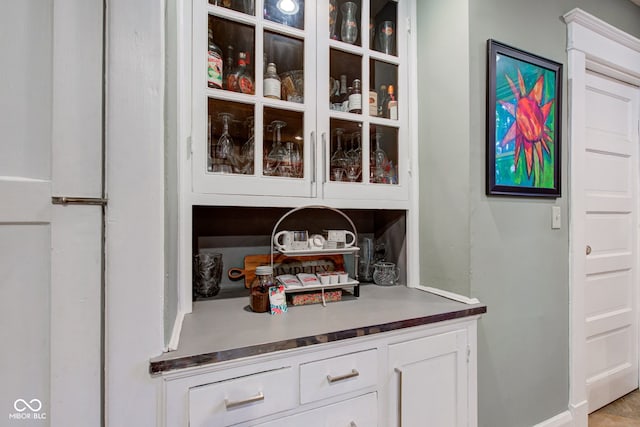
285	12
382	26
345	22
283	143
383	90
287	56
383	157
234	43
244	6
345	151
346	75
230	138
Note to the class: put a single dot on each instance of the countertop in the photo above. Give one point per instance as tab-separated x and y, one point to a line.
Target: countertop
222	330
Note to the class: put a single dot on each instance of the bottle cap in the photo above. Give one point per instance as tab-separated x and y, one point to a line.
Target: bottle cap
263	270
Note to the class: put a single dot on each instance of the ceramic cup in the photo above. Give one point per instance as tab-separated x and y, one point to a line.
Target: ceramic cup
342	238
291	240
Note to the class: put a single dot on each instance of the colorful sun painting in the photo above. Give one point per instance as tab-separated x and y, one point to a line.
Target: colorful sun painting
523	135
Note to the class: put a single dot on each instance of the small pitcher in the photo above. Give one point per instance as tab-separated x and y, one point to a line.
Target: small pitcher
385	273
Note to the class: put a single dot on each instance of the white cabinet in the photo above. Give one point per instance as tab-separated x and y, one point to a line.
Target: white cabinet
417	376
430	384
245	142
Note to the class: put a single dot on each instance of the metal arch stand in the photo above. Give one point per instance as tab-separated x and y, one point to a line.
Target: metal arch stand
355	250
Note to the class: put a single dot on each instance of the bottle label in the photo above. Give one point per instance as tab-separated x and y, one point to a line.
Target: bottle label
373	103
214	70
246	85
355	101
272	88
393	110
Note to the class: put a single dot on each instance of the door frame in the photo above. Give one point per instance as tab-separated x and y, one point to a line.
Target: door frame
593	45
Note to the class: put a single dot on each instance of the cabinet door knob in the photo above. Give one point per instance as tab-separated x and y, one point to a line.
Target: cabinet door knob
588	250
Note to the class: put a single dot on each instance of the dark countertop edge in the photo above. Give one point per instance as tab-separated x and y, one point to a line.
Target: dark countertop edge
160	367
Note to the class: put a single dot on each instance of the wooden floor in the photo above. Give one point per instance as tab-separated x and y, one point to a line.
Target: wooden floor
624	412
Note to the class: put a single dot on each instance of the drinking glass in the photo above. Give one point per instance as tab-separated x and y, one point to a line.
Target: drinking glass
349	28
380	162
278	152
333	16
387	37
207	273
248	149
339	159
223	152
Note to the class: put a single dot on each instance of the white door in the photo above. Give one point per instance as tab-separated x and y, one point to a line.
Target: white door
50	255
611	205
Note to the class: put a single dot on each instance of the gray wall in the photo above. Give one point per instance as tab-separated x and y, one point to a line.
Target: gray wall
510	257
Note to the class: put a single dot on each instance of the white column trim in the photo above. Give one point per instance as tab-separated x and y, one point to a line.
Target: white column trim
592	44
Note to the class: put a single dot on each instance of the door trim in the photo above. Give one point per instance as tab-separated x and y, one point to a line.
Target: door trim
593	45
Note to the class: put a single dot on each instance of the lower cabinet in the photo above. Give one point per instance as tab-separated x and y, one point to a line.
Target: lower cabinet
430	381
419	376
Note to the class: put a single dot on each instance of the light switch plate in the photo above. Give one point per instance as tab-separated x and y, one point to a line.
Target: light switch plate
555	217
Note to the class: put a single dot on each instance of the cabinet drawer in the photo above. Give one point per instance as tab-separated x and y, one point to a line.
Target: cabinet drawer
360	411
244	398
338	375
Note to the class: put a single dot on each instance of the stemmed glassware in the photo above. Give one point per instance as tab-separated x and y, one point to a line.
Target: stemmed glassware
278	152
339	159
354	168
379	162
248	149
222	156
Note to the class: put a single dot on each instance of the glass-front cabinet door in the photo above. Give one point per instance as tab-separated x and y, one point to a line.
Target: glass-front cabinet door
362	99
301	98
254	113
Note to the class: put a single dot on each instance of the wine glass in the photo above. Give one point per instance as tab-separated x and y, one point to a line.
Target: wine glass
223	149
380	161
278	152
248	149
339	159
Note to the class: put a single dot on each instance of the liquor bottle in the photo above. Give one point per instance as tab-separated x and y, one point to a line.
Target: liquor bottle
392	105
214	63
355	98
246	78
240	80
272	82
344	97
228	67
345	102
383	100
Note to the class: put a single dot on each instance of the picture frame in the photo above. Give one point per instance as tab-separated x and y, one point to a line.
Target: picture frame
524	109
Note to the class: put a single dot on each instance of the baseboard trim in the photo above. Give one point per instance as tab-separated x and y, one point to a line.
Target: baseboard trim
580	413
561	420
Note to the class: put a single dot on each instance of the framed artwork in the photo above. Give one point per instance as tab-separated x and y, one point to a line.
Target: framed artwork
524	100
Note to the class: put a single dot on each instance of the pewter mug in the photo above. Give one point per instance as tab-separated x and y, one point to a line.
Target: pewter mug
207	273
385	273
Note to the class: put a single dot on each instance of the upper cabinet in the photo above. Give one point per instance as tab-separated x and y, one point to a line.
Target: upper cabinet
300	99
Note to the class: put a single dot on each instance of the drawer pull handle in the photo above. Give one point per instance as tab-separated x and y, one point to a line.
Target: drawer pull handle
230	405
351	374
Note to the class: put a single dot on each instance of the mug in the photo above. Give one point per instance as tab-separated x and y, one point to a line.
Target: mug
339	238
291	240
316	241
385	273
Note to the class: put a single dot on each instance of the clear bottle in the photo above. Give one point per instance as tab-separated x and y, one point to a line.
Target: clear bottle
355	98
392	105
215	64
272	82
259	289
